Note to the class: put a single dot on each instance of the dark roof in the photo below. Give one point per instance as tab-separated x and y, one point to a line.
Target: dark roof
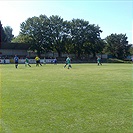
17	46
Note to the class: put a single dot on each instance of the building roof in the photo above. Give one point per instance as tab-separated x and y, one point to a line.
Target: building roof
16	46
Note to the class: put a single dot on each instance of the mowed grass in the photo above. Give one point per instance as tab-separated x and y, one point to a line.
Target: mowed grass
52	99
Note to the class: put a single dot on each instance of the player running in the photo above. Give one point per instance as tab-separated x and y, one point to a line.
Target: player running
16	61
68	61
99	61
38	61
27	62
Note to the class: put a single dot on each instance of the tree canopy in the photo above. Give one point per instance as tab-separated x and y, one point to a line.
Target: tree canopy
6	33
77	36
117	45
55	34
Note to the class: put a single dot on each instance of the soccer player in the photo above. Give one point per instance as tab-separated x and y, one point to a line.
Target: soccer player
99	61
27	62
16	61
68	61
38	61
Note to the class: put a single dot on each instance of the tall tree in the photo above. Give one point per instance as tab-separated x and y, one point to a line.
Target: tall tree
57	34
8	32
79	33
0	34
35	31
117	45
85	37
96	43
3	35
131	50
67	38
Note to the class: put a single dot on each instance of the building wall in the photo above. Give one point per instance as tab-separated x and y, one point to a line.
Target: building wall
12	52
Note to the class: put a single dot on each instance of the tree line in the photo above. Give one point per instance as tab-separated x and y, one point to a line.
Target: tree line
79	37
6	33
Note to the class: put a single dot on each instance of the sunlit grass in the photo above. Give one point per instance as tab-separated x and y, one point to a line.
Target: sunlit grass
52	99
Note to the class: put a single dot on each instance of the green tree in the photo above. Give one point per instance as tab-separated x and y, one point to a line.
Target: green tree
8	33
85	37
0	33
3	35
97	44
67	45
79	34
131	50
35	32
58	34
117	45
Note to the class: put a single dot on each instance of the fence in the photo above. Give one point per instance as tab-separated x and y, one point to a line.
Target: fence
22	61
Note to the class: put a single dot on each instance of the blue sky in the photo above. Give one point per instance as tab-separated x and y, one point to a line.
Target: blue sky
112	16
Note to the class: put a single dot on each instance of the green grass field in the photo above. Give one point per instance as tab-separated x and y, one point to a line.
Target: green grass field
52	99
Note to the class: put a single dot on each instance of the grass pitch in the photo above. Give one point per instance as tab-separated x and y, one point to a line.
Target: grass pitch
52	99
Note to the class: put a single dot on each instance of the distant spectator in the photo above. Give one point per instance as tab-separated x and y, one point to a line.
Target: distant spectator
44	61
55	61
4	61
132	59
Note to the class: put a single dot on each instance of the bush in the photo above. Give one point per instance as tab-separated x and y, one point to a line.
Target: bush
110	60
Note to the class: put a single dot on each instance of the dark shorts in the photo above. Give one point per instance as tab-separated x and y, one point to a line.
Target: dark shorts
16	62
38	61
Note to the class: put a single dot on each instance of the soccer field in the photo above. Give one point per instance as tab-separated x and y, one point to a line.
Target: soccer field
52	99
